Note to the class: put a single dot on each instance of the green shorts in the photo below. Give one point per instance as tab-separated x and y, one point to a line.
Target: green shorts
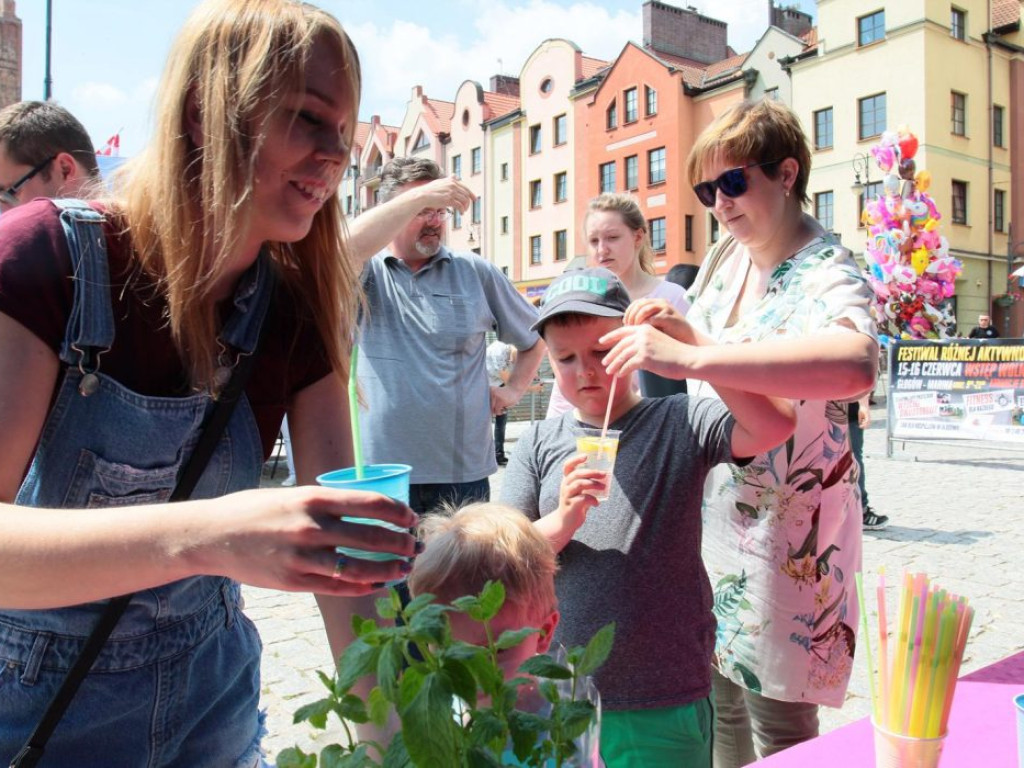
673	737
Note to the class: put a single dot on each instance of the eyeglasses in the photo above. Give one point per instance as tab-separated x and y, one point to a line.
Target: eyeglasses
9	196
732	183
441	214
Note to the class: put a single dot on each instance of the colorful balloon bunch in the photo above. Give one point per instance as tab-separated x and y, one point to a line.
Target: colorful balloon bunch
909	266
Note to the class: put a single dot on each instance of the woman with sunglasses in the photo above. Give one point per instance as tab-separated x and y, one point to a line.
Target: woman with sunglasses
779	308
615	230
222	243
784	309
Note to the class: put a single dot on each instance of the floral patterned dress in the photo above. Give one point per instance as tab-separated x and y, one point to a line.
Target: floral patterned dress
782	535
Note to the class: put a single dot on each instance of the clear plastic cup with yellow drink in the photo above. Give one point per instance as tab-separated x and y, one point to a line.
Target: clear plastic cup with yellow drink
600	453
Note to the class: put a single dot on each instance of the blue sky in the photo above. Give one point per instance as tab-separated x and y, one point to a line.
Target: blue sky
107	55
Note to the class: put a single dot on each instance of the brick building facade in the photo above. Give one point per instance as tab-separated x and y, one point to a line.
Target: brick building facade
10	54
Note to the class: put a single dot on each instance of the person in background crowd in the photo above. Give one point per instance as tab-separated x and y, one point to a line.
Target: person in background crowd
860	419
423	340
617	239
984	329
223	234
500	360
44	152
779	308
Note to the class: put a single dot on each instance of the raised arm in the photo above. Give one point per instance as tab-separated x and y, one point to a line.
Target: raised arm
372	230
839	365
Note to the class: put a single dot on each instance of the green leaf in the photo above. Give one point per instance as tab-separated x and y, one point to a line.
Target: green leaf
352	708
315	713
512	637
491	599
417	603
462	651
358	660
524	728
397	755
430	624
466	603
427	724
576	718
597	650
379	707
549	690
461	680
488	676
326	679
486	727
389	667
545	666
293	757
480	757
386	608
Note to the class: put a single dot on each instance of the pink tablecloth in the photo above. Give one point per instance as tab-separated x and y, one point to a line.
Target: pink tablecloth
982	728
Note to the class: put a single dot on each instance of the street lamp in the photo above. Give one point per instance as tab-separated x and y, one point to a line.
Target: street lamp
861	164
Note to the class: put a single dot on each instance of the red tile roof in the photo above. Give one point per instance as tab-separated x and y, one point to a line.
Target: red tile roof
591	66
439	115
810	38
697	74
500	104
1005	13
362	134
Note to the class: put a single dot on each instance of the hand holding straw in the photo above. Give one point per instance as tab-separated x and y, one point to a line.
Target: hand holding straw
353	413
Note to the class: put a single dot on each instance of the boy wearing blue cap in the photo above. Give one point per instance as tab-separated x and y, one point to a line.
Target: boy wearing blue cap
635	558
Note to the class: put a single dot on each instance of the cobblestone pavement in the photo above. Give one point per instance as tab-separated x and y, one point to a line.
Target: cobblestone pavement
955	513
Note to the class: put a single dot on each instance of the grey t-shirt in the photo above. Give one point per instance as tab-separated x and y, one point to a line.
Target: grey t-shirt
636	559
421	362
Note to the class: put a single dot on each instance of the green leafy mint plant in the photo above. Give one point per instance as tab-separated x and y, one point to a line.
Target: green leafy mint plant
423	685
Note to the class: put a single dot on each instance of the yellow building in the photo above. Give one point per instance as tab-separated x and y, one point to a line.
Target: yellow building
954	78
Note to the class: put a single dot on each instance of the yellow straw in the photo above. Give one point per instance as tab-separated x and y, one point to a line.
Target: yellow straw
867	641
353	413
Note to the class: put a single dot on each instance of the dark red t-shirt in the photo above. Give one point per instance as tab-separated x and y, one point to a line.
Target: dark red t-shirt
36	290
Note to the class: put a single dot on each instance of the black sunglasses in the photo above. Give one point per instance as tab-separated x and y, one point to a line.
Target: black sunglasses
9	196
732	183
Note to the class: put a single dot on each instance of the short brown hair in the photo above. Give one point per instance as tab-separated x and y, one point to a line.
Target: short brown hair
754	132
406	170
467	547
31	131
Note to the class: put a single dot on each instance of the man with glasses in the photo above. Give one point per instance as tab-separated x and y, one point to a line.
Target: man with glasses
422	346
44	152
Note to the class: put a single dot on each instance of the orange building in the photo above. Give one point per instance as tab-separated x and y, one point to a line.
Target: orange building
636	129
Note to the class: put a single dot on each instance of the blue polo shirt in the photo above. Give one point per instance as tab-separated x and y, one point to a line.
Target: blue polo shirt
422	362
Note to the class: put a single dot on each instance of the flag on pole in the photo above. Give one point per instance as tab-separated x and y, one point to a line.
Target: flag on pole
113	146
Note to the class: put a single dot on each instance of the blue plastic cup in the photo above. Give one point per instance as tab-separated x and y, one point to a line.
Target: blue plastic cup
1018	702
387	479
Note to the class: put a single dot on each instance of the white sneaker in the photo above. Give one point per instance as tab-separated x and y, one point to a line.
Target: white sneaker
289	481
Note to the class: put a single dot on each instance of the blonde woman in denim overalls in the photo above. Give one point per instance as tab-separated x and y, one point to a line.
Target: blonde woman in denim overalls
225	231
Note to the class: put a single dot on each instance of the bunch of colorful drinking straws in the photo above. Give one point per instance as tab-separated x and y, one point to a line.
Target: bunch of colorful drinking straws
919	663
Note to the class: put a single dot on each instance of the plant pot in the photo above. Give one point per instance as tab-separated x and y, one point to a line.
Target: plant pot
1003	301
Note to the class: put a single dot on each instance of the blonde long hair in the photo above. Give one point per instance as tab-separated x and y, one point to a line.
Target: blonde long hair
629	209
188	208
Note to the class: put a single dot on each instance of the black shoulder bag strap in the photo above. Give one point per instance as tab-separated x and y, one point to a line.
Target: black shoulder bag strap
32	752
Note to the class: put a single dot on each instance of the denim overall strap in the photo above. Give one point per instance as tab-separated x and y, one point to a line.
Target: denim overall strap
90	330
252	300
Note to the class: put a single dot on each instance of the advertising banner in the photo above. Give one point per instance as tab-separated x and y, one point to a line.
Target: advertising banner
968	389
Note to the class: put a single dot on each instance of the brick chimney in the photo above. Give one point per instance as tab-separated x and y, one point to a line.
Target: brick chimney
507	85
684	32
789	19
10	54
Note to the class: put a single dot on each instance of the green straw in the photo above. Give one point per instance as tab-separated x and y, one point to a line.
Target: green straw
867	644
353	412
